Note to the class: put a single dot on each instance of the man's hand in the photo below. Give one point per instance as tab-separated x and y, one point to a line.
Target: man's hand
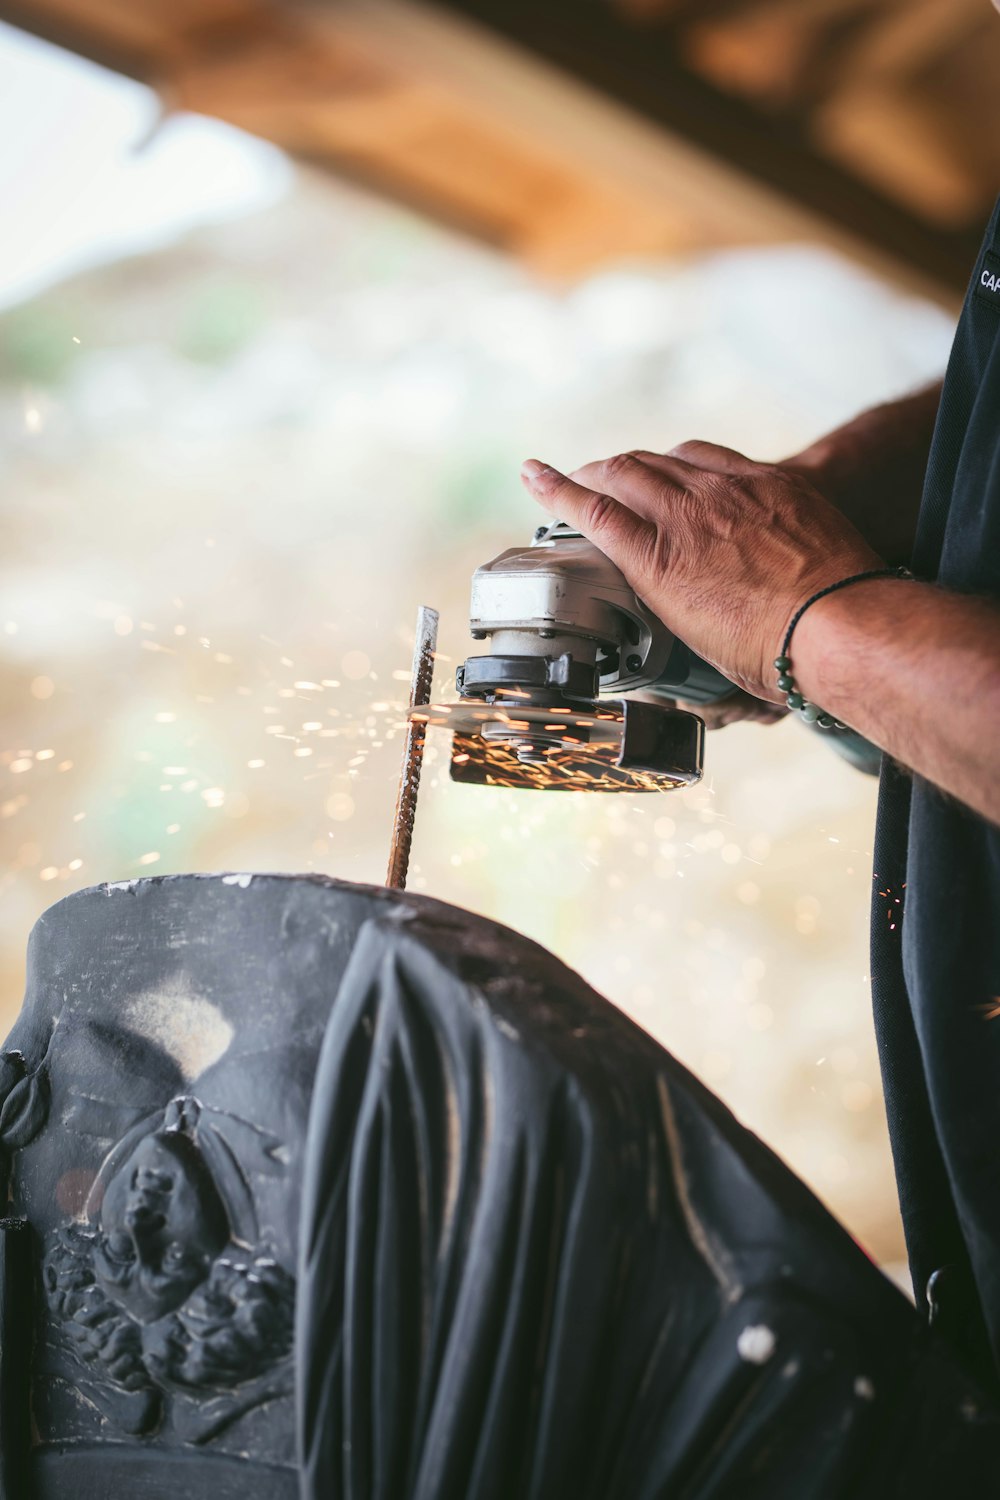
722	549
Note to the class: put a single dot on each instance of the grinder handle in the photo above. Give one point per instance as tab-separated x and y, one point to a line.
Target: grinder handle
687	677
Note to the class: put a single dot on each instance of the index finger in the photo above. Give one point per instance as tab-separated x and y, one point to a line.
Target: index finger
623	536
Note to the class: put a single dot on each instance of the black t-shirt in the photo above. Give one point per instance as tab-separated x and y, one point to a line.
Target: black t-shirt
936	899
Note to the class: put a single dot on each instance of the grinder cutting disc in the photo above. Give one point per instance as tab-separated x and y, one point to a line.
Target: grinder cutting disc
625	746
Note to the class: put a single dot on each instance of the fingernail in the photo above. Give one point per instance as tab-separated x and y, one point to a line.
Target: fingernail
531	470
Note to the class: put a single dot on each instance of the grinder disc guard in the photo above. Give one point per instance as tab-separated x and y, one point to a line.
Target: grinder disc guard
612	746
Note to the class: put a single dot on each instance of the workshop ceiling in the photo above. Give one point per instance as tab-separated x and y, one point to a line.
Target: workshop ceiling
576	133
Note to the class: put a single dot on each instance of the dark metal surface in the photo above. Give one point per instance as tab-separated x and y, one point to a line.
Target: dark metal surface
99	1472
16	1289
562	678
530	1254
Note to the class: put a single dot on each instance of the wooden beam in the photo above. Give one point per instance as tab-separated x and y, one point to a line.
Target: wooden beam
553	115
560	132
585	39
893	138
903	39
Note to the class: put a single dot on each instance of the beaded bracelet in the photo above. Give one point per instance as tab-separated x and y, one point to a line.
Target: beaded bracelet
811	712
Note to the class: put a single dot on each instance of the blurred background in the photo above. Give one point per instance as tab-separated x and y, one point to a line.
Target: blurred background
286	295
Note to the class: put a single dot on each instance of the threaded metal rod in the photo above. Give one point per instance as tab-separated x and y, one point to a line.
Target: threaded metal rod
413	749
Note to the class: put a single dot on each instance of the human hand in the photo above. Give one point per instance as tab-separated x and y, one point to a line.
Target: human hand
722	549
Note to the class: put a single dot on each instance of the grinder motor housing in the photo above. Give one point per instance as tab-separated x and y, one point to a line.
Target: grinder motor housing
563	622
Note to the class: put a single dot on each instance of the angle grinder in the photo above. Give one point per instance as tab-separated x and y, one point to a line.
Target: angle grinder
545	708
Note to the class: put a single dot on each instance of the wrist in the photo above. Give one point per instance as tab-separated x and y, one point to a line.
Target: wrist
830	642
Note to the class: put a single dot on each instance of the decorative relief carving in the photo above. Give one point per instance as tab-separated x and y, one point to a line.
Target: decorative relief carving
163	1288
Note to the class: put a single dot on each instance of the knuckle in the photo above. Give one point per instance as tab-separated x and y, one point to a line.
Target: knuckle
690	451
601	513
647	553
621	465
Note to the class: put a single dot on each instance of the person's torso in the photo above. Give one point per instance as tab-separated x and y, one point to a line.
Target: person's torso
936	902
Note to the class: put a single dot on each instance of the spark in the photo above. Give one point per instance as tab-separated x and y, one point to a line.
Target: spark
582	768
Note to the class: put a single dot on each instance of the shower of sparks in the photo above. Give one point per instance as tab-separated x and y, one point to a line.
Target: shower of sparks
413	748
323	731
583	768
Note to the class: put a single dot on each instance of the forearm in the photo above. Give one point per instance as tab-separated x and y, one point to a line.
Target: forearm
873	467
916	670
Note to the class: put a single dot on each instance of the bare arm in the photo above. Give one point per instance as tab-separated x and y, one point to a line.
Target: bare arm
873	467
916	670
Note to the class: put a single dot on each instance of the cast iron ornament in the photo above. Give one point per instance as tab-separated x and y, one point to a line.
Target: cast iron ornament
321	1192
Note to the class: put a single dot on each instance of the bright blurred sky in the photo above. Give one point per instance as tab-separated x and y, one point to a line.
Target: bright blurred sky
90	169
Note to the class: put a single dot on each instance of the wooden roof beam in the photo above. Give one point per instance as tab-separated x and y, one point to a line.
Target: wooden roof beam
586	40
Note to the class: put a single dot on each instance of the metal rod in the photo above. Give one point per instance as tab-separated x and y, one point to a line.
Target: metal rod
413	749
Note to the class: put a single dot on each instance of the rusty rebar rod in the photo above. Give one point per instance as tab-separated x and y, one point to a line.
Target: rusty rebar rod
413	748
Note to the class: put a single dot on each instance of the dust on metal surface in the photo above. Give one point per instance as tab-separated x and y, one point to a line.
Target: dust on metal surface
413	748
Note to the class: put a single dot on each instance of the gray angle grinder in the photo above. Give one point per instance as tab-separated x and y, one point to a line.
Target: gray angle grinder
545	708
